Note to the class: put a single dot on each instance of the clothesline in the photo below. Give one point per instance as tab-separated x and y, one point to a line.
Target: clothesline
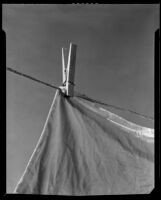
79	95
32	78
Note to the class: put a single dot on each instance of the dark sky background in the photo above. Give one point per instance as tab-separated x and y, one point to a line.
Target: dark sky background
115	64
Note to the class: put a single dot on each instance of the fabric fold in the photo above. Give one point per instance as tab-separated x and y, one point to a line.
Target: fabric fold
84	150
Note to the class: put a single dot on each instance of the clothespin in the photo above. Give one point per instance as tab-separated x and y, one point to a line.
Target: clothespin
69	71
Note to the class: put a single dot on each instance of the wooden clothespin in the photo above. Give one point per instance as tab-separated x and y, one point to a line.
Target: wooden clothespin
69	71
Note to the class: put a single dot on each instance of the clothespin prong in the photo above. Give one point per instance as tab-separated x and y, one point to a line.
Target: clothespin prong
63	67
71	69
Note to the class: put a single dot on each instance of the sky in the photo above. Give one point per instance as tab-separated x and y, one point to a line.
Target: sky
114	64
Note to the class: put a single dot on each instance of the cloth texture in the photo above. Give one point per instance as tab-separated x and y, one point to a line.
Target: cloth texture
87	150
